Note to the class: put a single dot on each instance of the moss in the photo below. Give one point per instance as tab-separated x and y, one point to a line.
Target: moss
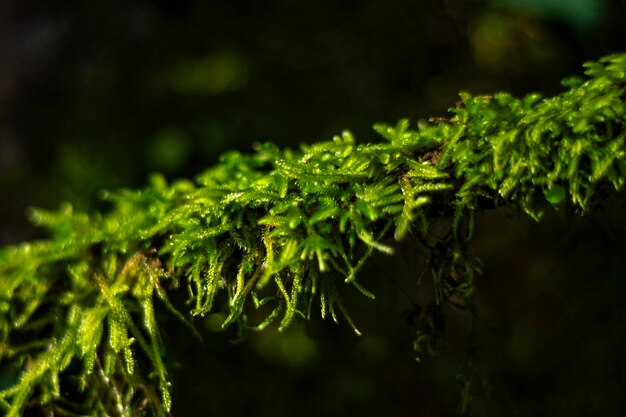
278	231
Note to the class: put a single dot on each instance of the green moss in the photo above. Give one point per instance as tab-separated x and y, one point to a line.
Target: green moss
278	231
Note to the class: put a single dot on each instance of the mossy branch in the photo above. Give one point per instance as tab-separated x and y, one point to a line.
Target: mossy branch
286	228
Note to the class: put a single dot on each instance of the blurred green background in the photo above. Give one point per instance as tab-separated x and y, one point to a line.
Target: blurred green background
96	95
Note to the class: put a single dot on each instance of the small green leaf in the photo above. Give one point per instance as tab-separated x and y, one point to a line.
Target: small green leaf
554	194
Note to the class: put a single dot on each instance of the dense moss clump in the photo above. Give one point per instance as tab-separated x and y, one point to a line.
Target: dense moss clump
272	235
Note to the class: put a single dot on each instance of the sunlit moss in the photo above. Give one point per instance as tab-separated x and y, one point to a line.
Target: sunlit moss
273	237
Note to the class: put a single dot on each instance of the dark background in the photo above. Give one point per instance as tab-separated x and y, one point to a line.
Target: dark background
95	95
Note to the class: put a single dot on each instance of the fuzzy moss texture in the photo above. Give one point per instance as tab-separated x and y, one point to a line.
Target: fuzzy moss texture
278	232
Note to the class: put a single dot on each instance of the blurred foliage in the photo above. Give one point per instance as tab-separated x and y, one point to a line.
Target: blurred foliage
96	95
581	13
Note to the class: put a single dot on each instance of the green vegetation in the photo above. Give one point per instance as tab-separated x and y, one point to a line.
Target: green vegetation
273	236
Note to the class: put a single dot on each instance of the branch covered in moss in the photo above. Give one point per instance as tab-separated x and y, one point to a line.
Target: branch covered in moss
280	231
